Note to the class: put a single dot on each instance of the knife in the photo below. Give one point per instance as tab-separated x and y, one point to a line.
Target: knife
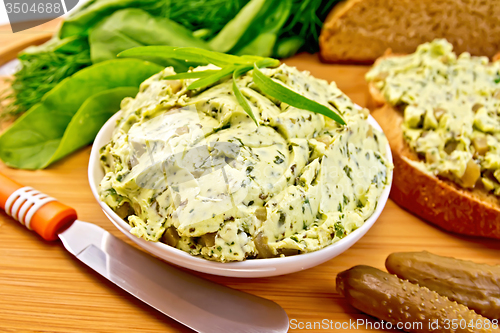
197	303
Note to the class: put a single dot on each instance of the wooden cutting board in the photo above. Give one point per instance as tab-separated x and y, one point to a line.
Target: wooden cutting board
44	289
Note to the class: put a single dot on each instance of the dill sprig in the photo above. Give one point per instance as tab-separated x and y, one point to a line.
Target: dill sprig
306	21
209	15
38	74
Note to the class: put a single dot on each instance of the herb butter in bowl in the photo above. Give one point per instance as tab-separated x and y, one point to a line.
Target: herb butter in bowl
190	177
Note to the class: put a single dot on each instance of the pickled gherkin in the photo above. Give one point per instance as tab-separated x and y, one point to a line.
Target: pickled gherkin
475	285
397	301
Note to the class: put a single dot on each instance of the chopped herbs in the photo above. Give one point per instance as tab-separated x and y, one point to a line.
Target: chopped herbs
278	160
348	171
339	230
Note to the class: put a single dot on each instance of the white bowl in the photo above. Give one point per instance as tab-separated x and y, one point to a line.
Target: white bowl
250	268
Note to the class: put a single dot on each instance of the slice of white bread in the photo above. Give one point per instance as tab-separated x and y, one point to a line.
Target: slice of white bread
440	201
359	31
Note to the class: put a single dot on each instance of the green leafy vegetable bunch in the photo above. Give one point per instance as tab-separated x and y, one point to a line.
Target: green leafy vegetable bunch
101	29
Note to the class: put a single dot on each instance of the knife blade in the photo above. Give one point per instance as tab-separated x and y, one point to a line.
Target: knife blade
199	304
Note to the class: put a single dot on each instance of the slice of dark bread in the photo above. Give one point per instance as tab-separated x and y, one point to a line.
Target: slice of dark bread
359	31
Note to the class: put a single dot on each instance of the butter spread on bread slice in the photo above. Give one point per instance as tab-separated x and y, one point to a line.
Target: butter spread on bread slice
445	127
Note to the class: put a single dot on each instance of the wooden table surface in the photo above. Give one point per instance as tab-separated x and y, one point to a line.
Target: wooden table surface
44	289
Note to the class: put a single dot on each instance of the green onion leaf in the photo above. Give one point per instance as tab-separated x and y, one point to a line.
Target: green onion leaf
284	94
253	58
232	65
188	54
204	82
239	96
191	75
240	70
229	36
267	62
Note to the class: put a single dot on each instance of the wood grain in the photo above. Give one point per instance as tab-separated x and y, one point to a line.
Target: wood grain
44	289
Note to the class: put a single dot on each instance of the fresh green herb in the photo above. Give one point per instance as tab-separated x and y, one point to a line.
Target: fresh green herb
262	45
86	17
204	17
261	37
42	68
237	66
339	230
234	29
191	75
282	219
66	118
278	160
100	29
89	118
305	23
348	171
288	47
190	54
134	27
209	80
282	93
239	96
230	65
240	70
112	191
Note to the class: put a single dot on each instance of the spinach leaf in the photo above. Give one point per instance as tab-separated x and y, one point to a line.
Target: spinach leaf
81	21
89	119
32	141
73	44
133	27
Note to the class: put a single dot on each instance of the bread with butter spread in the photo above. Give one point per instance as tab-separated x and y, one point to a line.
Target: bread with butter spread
440	113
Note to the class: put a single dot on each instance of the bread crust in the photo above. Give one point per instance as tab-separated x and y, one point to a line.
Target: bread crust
439	201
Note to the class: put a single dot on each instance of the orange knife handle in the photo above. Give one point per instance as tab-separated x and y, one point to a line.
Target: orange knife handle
35	210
